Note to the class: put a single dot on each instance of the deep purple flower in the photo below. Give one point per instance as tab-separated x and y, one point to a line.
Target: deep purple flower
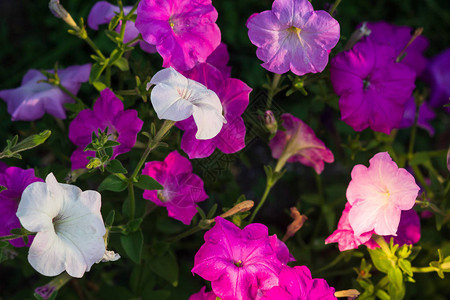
373	88
182	189
15	180
238	262
234	96
426	114
108	111
300	144
292	36
219	58
297	284
32	99
184	32
202	295
437	75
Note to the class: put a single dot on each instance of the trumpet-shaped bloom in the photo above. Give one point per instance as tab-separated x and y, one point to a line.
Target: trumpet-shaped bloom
182	189
202	295
32	99
69	227
176	98
234	96
15	180
378	194
239	262
184	32
293	36
301	144
108	111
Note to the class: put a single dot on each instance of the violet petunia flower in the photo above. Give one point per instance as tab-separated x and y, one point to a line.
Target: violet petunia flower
437	75
33	98
202	295
238	262
182	189
234	96
293	36
373	88
184	32
15	180
297	284
108	111
426	114
300	144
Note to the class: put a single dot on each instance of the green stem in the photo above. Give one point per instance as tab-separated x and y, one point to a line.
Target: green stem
108	76
94	46
138	38
432	206
332	263
78	100
413	135
445	268
133	9
335	5
185	234
382	243
273	89
127	92
261	202
132	199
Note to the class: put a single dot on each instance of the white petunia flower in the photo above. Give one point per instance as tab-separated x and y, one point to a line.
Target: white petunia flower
69	227
176	98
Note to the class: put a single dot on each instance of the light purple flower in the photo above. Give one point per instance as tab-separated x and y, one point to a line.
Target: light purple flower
202	295
182	189
108	111
373	88
32	99
297	284
292	36
437	75
184	32
301	144
15	180
239	262
426	114
234	96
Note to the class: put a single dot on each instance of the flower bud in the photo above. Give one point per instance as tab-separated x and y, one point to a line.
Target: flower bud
270	122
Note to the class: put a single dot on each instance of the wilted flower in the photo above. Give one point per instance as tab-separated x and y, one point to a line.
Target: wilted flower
69	227
292	36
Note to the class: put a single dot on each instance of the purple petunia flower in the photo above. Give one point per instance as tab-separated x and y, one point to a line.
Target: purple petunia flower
373	88
239	262
437	75
297	284
184	32
15	180
32	99
219	58
234	96
292	36
108	111
182	189
300	144
426	114
202	295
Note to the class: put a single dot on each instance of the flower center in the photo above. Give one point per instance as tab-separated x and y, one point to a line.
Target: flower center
238	263
366	83
295	31
161	196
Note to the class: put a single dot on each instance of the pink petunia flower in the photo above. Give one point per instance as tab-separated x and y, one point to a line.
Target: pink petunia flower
202	295
108	111
182	189
184	32
239	262
301	144
234	96
378	194
373	88
293	36
32	99
15	180
297	284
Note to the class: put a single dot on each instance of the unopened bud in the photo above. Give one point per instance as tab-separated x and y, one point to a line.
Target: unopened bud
357	35
32	141
347	293
54	285
270	122
295	226
60	12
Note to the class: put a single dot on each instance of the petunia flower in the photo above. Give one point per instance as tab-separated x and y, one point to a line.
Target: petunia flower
69	227
437	75
108	111
238	262
300	144
182	189
426	114
373	88
202	295
15	180
293	36
219	58
176	98
33	98
378	194
297	284
234	97
184	32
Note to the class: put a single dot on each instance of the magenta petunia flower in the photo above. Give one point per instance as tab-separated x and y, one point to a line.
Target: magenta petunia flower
378	194
15	180
297	284
234	96
426	114
32	99
437	75
301	144
238	262
108	111
373	88
184	32
293	36
219	58
202	295
182	189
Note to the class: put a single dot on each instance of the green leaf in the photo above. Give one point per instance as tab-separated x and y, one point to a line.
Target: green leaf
132	244
122	64
165	266
419	158
116	54
383	295
395	277
405	265
146	182
380	260
110	144
113	183
115	166
110	218
99	86
97	70
134	225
